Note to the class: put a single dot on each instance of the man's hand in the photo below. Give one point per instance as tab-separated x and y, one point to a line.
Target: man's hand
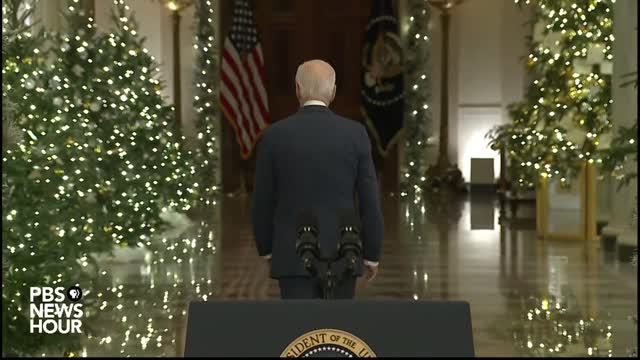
370	272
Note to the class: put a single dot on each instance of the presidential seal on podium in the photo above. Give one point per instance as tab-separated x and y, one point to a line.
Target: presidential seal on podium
328	343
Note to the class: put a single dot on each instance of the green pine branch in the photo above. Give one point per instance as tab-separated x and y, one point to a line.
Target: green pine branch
417	97
206	98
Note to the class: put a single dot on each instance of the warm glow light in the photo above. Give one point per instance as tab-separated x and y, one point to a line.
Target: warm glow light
472	141
177	5
172	5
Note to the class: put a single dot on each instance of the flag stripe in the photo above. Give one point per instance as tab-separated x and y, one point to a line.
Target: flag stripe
260	55
241	143
261	70
231	72
248	91
246	96
258	85
232	109
261	111
232	113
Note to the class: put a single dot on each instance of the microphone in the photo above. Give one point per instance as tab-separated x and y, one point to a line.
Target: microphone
307	239
350	246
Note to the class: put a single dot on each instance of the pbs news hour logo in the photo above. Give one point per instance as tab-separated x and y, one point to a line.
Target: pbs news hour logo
55	310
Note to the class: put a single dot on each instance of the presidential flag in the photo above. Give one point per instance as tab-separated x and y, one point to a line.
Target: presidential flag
243	94
383	76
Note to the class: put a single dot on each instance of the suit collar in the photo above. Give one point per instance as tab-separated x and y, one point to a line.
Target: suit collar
314	108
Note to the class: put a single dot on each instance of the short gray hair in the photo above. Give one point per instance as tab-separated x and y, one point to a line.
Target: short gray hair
315	84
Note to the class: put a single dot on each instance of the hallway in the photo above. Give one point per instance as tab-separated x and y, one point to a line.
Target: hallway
527	297
132	127
460	252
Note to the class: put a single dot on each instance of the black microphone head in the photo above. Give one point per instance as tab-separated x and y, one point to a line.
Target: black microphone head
306	236
307	220
348	220
350	244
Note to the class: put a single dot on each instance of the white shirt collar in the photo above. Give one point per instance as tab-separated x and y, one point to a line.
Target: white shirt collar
314	102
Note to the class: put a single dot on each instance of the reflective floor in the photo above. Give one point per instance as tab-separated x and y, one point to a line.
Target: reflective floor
528	297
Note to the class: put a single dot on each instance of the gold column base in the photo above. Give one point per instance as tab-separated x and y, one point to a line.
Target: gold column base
588	209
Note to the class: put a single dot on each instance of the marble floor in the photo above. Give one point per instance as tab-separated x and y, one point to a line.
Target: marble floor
528	297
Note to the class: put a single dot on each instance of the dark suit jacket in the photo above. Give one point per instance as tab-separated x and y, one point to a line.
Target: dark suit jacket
314	160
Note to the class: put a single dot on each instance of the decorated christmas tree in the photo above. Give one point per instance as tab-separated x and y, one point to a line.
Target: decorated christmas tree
38	214
148	170
565	117
100	163
35	252
97	164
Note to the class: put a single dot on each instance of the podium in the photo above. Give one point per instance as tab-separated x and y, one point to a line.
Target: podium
338	328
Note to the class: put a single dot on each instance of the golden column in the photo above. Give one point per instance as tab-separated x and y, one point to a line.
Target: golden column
443	166
176	7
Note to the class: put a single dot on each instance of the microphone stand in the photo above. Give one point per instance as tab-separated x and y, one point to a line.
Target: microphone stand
321	268
329	284
330	279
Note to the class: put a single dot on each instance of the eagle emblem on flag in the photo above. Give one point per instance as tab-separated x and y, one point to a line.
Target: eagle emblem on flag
383	77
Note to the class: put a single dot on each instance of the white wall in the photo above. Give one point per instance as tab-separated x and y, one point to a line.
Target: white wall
625	110
46	14
486	73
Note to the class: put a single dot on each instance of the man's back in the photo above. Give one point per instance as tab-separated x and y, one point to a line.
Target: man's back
320	161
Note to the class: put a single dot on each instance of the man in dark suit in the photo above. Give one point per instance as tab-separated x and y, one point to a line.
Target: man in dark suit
315	160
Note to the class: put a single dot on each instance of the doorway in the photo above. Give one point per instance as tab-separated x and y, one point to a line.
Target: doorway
293	31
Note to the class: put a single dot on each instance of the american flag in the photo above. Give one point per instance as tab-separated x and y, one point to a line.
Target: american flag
243	94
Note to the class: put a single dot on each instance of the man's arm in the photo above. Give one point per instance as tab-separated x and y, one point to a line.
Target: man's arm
369	202
263	201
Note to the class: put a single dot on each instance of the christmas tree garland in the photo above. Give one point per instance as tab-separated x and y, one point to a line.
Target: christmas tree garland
206	99
417	111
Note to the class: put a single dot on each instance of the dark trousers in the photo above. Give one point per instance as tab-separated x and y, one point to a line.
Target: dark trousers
310	288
